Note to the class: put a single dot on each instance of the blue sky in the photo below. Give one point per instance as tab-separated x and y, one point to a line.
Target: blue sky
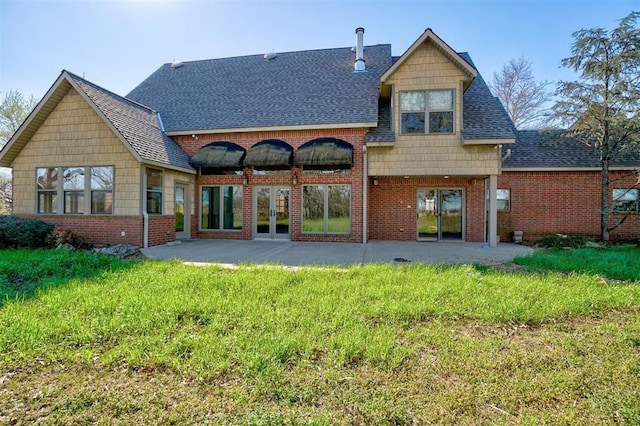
116	44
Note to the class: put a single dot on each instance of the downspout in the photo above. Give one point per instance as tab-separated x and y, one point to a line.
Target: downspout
365	186
484	214
145	215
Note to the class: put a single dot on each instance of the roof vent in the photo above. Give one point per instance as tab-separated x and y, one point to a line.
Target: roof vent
271	55
359	66
177	64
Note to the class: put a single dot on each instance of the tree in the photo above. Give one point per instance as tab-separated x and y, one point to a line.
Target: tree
522	96
602	107
14	109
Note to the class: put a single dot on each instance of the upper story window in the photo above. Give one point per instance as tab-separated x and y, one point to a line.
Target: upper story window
427	111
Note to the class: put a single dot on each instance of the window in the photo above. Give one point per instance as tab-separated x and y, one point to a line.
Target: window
428	111
154	191
326	208
504	200
70	186
101	190
626	200
73	187
221	208
47	184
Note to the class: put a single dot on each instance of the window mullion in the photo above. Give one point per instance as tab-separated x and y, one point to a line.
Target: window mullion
326	209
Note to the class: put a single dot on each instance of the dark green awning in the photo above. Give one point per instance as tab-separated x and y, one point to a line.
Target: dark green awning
219	155
325	152
269	153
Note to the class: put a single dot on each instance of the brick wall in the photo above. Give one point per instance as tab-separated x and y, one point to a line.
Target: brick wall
99	229
547	203
392	206
294	138
162	229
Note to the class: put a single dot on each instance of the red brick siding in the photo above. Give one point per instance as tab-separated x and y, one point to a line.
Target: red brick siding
294	138
392	206
546	203
99	229
162	229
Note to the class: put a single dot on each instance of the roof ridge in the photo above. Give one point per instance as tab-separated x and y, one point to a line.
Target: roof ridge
109	92
279	53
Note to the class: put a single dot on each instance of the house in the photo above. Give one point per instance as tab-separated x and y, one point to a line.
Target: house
343	144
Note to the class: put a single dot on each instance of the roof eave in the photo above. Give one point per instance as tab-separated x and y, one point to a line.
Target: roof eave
359	125
34	120
565	169
488	141
169	166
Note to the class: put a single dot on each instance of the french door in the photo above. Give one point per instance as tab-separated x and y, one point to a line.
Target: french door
271	205
440	214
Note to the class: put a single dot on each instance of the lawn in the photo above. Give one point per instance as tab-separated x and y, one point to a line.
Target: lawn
89	339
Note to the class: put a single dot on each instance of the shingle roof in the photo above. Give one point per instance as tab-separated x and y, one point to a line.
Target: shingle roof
137	123
484	117
554	149
313	87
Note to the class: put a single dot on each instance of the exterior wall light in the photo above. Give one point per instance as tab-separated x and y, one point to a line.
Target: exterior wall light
294	179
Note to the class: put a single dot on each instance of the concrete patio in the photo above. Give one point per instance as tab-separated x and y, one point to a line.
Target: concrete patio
301	253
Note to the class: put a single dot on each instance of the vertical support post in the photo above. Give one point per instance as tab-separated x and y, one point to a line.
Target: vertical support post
493	211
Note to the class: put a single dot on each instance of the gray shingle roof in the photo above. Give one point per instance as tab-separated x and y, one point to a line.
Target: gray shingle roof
137	124
311	87
484	115
553	149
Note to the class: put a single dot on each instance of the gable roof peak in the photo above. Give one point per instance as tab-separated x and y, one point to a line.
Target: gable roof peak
430	35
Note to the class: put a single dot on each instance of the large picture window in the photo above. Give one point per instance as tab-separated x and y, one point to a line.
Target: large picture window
626	200
66	190
221	208
154	191
326	208
427	111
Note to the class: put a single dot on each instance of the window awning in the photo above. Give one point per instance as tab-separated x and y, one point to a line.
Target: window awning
325	152
219	155
269	153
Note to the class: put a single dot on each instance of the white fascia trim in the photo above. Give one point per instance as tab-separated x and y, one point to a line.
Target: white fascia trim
488	141
168	166
274	128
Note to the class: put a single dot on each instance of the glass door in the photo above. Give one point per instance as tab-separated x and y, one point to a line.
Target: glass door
271	210
181	210
428	212
439	214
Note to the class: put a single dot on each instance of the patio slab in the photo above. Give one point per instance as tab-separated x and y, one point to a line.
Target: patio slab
289	253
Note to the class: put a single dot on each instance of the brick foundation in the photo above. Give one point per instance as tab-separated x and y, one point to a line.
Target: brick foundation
99	229
547	203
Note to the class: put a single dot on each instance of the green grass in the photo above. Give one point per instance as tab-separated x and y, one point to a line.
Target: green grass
617	263
161	342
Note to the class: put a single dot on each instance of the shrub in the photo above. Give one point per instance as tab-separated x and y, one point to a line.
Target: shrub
66	236
26	233
559	241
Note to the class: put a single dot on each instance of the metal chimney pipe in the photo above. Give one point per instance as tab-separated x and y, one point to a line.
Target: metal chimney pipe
359	66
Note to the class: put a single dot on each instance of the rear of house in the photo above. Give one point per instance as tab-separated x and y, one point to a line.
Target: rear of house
339	144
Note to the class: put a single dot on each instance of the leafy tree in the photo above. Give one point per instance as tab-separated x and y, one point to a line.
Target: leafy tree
523	97
602	107
14	109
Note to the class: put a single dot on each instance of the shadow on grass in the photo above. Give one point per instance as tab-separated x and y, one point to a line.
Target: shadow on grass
24	273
